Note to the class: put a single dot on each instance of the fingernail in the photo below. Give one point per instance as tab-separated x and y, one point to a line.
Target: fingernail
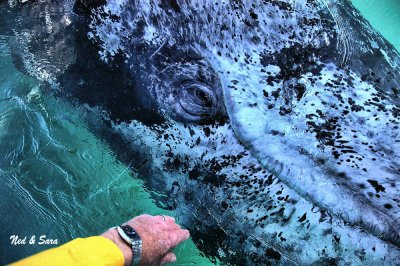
173	258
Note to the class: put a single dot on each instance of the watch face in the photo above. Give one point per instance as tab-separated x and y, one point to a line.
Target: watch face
130	232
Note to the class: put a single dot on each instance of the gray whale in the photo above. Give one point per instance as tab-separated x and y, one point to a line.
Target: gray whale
275	122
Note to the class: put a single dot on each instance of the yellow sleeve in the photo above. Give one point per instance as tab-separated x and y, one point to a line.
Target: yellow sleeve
96	250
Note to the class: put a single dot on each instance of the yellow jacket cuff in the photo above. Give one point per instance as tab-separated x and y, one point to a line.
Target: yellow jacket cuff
96	250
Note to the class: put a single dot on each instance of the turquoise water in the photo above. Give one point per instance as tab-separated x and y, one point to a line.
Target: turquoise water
62	181
58	179
384	15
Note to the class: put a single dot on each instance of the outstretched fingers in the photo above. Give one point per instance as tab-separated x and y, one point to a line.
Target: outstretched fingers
177	236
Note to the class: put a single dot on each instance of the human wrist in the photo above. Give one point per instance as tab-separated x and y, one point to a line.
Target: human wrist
126	250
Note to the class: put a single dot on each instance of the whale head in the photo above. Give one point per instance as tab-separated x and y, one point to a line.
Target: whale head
272	126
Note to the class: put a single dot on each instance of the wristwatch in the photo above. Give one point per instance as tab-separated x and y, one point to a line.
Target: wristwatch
132	238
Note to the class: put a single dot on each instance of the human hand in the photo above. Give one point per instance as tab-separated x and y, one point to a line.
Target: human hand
159	234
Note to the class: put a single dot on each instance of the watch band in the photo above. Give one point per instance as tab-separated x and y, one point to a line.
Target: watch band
132	238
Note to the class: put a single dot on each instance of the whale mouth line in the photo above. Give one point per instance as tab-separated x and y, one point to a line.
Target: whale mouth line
284	155
279	154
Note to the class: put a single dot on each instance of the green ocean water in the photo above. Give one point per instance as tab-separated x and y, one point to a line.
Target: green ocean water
60	180
384	16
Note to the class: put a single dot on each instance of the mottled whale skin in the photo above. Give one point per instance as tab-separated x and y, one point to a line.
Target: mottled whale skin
273	126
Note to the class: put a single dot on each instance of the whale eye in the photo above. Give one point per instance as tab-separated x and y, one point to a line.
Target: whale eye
197	102
187	87
203	97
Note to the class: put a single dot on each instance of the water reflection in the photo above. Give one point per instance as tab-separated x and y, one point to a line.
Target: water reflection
59	180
